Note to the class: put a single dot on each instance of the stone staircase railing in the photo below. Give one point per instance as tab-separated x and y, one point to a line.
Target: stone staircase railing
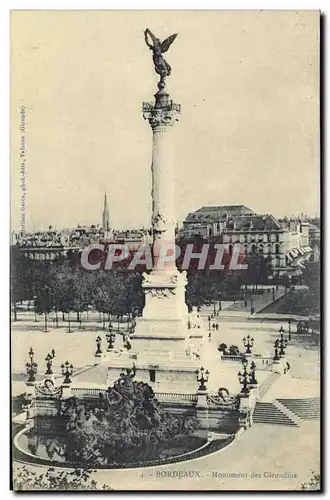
86	391
292	416
267	384
161	396
168	396
263	362
227	358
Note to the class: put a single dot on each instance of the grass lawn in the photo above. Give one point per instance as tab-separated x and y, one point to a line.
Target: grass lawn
300	302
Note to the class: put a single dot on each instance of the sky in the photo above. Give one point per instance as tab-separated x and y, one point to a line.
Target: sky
248	85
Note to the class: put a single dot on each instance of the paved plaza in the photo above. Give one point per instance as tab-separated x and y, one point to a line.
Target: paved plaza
78	347
249	462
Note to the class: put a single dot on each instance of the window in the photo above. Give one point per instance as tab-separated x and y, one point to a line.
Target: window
152	375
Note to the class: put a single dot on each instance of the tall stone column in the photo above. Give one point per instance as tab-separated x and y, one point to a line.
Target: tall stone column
164	287
162	116
162	350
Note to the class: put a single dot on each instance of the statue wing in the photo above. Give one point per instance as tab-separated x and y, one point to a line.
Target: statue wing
149	37
168	42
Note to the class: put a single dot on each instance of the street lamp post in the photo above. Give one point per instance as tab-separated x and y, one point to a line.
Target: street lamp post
31	367
282	345
67	371
244	378
201	379
111	337
276	346
253	380
248	343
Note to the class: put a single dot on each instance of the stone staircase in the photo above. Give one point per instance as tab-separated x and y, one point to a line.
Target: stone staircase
269	413
306	409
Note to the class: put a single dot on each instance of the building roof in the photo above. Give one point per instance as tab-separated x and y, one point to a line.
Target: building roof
226	209
217	213
253	223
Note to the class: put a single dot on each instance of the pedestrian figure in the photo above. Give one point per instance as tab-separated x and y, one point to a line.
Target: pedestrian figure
217	326
245	303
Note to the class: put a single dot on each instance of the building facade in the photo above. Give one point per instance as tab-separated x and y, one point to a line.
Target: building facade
285	242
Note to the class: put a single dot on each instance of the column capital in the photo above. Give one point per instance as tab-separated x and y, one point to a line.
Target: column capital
161	115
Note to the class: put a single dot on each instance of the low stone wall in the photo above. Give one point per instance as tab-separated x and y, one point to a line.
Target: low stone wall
210	446
219	419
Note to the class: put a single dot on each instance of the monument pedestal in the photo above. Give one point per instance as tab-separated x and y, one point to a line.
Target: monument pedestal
164	371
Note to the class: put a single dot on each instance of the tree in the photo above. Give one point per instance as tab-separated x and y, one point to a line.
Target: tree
25	479
102	301
314	483
223	348
18	279
43	303
258	269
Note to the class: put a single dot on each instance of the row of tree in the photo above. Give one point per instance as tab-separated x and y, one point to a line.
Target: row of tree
64	286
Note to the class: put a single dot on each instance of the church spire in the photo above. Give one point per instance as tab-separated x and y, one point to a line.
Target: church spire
105	215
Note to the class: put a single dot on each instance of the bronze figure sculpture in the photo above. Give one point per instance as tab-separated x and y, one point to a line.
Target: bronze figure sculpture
162	68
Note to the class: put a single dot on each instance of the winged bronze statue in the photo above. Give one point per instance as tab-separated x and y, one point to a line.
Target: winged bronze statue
162	68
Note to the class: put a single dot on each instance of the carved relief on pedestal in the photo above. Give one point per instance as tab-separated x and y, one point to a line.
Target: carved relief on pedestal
160	293
47	389
224	399
163	281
